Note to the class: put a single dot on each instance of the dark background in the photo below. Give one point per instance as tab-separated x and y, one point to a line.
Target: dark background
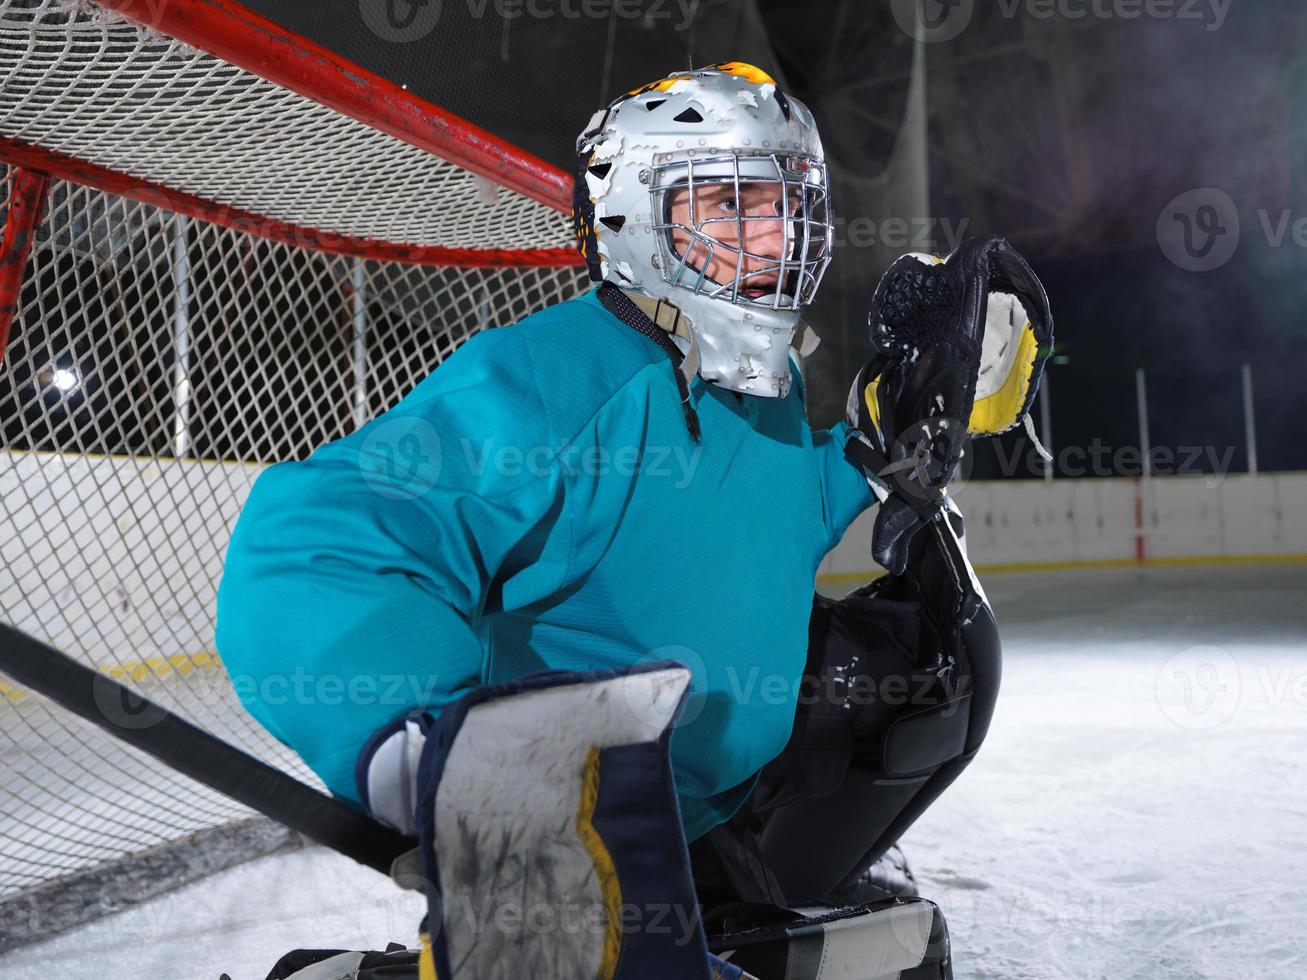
1066	126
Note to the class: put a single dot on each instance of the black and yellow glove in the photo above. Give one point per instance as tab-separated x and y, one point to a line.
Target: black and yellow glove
960	348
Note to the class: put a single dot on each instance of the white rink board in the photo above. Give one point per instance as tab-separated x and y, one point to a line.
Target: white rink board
1036	522
118	554
116	557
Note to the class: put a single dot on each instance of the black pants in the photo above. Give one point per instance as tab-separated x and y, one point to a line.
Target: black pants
897	696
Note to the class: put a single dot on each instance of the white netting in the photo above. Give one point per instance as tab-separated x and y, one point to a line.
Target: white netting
132	436
89	84
157	363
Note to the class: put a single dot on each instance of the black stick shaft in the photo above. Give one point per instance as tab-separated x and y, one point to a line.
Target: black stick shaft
194	752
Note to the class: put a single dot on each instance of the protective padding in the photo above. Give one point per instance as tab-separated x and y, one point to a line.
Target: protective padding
893	940
904	692
551	841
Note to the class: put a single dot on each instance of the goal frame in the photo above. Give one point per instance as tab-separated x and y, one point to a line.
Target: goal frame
248	41
252	42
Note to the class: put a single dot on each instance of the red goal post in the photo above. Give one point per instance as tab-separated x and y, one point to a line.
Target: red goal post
224	245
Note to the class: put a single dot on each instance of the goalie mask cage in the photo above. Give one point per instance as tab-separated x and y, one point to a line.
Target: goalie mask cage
221	250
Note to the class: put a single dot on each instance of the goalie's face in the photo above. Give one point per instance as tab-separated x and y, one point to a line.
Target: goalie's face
725	234
747	240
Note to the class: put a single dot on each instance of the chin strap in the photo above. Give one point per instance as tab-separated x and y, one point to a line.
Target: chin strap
676	323
684	366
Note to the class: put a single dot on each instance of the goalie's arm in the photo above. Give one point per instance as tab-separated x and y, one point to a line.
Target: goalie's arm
845	492
355	579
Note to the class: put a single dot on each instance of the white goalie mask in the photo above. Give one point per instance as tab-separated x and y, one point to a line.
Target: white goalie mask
708	190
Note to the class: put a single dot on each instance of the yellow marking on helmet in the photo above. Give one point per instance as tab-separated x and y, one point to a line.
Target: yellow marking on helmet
748	72
662	85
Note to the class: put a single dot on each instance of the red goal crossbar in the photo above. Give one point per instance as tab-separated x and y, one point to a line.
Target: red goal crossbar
237	36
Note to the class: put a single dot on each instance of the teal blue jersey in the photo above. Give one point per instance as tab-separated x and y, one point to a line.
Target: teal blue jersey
537	502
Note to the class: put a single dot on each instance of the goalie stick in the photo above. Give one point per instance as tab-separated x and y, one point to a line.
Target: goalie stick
852	934
193	752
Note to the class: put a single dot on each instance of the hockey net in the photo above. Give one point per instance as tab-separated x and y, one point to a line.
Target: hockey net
223	273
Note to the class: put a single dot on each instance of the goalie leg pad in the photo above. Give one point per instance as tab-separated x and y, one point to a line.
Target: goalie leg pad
893	940
550	839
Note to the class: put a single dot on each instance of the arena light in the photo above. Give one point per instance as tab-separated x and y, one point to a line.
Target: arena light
65	379
62	377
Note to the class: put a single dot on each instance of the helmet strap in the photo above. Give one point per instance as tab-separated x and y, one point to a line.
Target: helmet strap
621	304
665	314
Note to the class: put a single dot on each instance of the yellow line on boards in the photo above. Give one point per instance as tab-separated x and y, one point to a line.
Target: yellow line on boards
137	670
184	663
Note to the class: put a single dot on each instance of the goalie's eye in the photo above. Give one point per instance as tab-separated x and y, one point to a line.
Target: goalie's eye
723	199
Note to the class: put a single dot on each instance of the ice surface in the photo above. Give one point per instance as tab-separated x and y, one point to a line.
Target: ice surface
239	921
1108	828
